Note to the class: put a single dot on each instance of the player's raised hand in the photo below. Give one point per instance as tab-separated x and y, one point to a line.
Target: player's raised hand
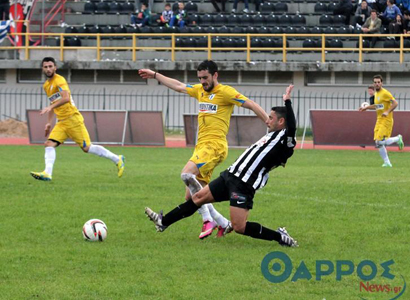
146	73
289	89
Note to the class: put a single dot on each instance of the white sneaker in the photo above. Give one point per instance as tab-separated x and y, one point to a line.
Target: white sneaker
155	218
387	165
246	10
233	10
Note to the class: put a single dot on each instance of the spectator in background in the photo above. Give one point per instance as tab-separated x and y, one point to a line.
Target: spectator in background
166	16
345	8
370	90
406	27
390	13
235	6
4	9
362	13
403	5
143	18
223	2
179	18
370	3
380	5
397	26
372	26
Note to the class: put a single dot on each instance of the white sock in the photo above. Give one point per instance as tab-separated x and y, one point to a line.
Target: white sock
204	211
383	154
102	152
393	140
49	157
219	219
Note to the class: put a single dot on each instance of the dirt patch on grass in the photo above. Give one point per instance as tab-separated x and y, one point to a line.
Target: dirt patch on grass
13	128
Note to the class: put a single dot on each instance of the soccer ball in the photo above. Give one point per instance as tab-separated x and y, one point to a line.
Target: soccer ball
364	104
94	230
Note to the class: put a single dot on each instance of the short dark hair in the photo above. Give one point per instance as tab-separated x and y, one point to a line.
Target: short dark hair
167	4
370	87
363	1
208	65
407	13
280	111
373	10
378	77
48	59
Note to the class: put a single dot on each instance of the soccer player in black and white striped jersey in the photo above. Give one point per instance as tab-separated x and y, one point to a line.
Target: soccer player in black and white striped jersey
247	174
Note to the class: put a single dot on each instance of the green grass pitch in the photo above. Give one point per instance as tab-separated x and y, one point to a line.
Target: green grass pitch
339	205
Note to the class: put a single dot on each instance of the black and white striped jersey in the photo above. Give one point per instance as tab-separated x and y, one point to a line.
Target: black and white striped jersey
271	151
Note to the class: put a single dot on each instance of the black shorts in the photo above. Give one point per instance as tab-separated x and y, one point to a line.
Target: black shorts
229	187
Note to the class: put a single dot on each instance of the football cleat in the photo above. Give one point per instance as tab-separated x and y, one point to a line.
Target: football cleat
224	231
387	165
41	176
121	165
207	229
286	239
156	218
400	142
191	182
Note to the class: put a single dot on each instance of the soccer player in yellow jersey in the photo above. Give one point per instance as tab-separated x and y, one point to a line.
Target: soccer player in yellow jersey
216	103
384	104
70	123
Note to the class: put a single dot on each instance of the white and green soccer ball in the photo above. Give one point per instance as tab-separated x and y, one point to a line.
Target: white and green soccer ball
95	230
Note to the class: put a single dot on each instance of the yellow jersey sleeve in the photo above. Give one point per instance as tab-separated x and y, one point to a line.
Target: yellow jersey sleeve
194	90
61	84
232	96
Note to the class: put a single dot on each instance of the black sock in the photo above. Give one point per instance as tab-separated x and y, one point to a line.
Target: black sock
182	211
257	231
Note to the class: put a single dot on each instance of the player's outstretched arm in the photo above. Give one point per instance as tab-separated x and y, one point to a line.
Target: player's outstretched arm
257	109
290	115
167	81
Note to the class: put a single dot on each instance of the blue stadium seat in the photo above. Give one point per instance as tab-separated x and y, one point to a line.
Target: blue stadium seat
189	43
331	7
191	7
285	20
268	43
128	7
71	29
339	20
316	30
276	30
246	20
229	43
212	29
102	8
158	30
281	8
271	20
241	42
298	20
83	29
233	20
250	29
309	43
303	30
329	30
255	42
267	7
237	30
224	29
344	30
206	20
325	20
366	44
289	29
115	8
320	8
216	42
264	30
258	20
132	29
335	43
89	8
179	42
202	42
197	29
95	29
185	29
391	44
193	19
220	20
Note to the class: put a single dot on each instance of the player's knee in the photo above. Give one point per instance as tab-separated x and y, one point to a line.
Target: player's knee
49	143
85	149
238	226
378	144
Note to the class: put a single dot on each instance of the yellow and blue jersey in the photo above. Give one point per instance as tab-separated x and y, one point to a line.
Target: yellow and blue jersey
382	100
53	88
215	110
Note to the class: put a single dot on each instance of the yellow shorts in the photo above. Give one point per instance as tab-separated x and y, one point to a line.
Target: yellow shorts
207	155
383	130
73	128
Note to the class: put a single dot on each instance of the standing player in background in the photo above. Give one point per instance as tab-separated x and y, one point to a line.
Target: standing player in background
70	123
370	90
216	103
384	104
247	174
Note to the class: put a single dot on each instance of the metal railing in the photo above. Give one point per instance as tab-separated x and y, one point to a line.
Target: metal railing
209	49
15	102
